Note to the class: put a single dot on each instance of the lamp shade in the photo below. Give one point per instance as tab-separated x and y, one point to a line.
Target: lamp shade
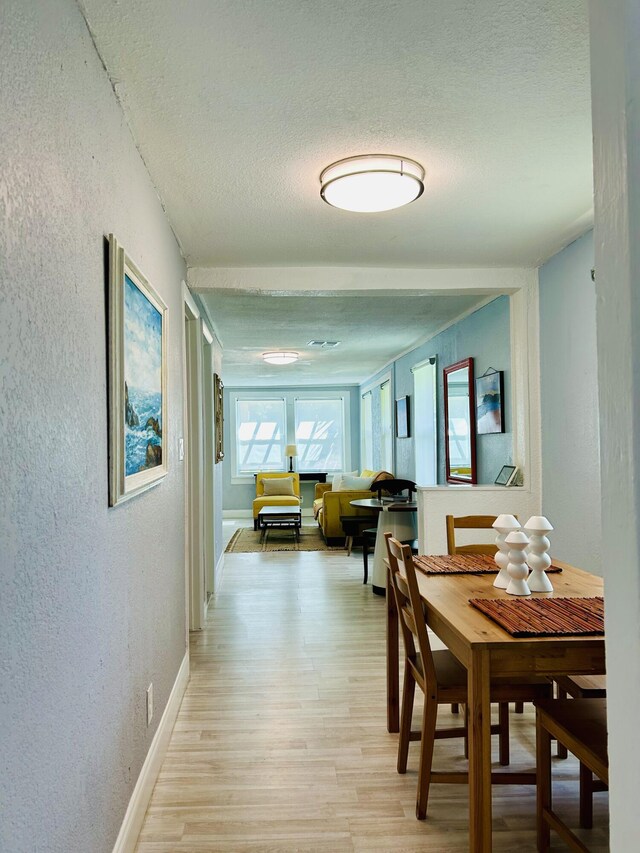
371	183
291	450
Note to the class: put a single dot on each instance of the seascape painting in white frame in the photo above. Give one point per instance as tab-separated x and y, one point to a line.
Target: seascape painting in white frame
137	380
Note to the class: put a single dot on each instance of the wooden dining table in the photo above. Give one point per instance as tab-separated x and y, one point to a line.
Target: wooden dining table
486	649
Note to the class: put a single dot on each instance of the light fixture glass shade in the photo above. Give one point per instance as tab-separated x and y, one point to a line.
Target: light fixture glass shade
280	357
291	450
371	183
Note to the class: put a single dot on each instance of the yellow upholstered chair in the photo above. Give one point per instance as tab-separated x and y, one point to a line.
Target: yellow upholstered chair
290	488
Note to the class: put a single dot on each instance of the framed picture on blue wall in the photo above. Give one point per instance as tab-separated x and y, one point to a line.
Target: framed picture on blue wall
490	402
137	379
403	419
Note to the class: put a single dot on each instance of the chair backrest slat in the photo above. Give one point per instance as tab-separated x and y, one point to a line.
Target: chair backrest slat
469	522
409	605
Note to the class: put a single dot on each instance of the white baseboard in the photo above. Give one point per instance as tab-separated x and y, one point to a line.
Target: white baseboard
134	816
218	574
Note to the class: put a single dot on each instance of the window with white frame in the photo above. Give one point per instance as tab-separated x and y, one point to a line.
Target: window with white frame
260	435
317	423
425	420
386	427
320	434
366	427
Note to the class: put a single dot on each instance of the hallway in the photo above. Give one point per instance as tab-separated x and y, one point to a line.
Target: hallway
281	744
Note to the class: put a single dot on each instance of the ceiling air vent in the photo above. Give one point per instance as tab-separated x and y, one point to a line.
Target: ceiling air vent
323	344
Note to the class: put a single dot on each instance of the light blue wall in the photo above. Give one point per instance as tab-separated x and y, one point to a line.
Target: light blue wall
569	395
240	496
484	335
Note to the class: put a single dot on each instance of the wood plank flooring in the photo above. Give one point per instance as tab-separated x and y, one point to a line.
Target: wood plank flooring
281	744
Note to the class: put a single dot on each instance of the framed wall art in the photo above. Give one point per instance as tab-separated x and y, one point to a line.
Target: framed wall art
218	402
137	379
490	402
403	418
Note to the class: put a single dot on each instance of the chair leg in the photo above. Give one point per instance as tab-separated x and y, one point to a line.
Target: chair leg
455	708
586	797
408	695
429	715
519	707
348	545
543	797
503	735
365	561
255	523
561	748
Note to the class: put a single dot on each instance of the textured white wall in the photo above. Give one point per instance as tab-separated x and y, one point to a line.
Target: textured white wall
92	605
569	393
615	76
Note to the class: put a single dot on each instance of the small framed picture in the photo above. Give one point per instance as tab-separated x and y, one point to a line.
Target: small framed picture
489	402
506	476
403	420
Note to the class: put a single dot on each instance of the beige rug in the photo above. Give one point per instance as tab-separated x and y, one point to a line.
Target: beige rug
246	540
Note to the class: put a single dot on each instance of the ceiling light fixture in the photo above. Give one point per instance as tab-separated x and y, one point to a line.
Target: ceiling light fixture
280	357
371	183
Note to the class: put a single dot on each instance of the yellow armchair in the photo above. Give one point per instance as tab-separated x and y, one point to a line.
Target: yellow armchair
328	505
261	499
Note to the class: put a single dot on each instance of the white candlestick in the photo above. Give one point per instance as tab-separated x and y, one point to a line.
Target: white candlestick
537	557
517	568
504	524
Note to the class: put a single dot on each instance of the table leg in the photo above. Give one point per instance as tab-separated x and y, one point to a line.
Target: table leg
479	752
393	692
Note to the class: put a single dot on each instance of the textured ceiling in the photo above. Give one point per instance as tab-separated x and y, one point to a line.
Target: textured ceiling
237	105
372	330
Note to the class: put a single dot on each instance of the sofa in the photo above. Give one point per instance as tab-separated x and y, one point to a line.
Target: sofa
290	498
328	505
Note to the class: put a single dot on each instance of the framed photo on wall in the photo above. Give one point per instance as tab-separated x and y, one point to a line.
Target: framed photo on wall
403	418
137	379
490	402
218	402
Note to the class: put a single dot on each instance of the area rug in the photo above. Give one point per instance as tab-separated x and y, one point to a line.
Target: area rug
246	540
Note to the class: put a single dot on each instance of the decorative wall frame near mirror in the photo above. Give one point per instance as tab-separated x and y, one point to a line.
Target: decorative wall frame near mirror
490	402
218	403
137	379
460	423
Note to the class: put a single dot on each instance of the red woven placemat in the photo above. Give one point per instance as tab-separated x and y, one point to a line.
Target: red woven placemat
545	617
460	564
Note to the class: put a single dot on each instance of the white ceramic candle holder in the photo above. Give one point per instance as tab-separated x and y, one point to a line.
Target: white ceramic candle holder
517	568
539	561
504	524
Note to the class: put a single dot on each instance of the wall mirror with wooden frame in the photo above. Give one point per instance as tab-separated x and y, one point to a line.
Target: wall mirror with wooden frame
459	423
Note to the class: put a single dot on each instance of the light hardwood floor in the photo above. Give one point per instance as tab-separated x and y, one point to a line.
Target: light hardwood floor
281	742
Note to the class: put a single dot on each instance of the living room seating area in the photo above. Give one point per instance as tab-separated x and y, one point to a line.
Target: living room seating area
333	500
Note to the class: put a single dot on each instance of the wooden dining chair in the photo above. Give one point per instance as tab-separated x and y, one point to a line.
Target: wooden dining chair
442	679
581	726
582	687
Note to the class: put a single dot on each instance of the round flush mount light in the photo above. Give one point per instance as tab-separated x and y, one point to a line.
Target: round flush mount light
280	357
371	183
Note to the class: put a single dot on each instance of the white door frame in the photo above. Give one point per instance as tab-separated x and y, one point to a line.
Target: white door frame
194	469
208	460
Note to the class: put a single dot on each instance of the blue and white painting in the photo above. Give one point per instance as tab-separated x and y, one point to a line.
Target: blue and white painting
142	381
